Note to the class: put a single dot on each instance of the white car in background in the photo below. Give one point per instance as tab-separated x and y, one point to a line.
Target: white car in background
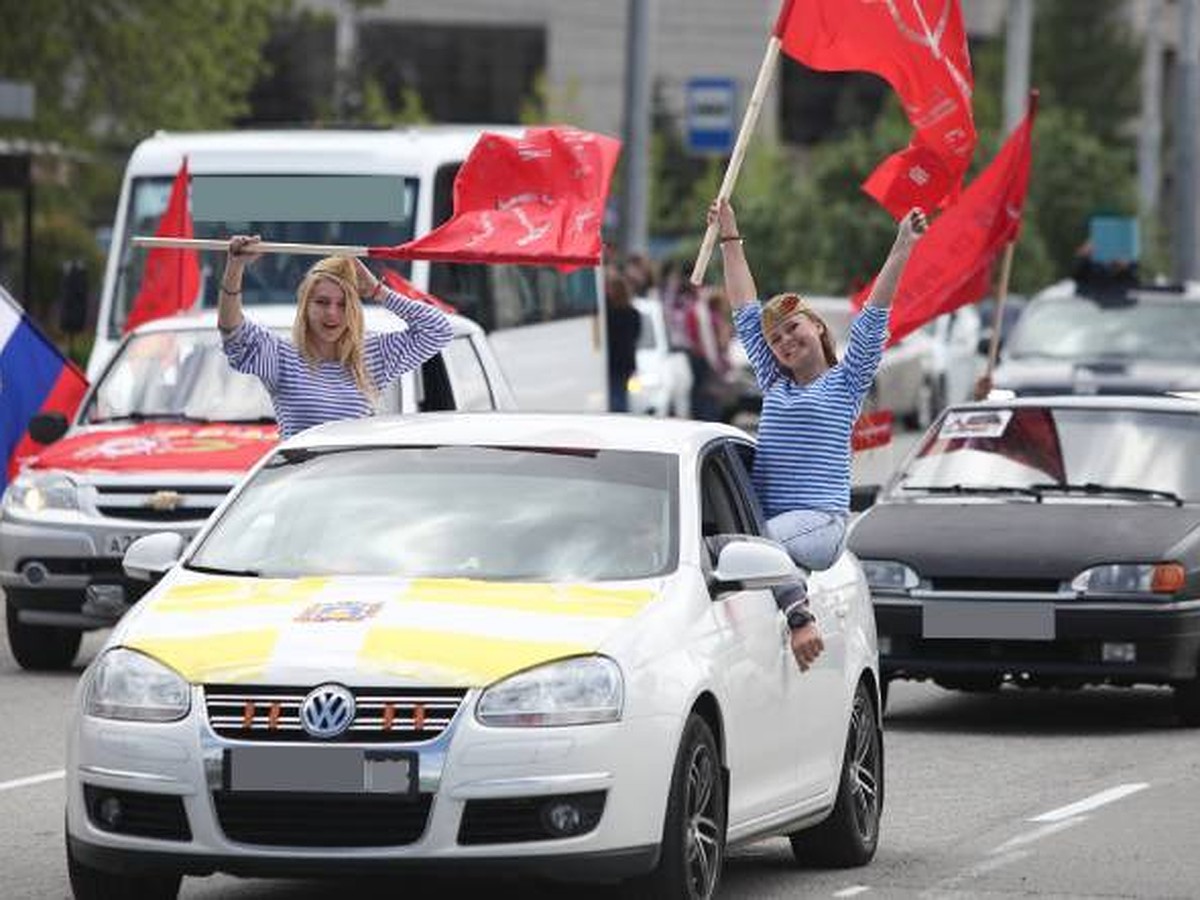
480	641
662	384
954	362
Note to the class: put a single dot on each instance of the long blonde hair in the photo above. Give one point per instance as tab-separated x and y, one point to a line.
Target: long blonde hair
342	271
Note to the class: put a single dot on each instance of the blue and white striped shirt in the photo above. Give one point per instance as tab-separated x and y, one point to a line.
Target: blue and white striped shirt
803	457
305	394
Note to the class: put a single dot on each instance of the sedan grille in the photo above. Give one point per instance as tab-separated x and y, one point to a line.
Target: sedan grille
320	820
382	715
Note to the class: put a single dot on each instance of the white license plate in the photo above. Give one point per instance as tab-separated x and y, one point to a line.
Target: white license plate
994	620
117	544
327	770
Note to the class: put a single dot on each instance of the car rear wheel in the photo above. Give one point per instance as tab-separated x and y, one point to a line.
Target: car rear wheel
40	647
88	883
693	845
851	833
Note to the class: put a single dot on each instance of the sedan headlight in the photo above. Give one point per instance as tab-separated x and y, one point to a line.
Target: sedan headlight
576	691
130	685
1131	578
888	575
34	492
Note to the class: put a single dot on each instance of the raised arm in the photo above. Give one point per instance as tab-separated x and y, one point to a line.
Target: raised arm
912	226
229	304
739	282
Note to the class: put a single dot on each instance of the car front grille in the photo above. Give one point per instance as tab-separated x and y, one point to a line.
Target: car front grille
382	715
158	502
1002	585
321	820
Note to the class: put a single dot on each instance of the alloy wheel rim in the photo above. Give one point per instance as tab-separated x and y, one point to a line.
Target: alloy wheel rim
864	770
702	841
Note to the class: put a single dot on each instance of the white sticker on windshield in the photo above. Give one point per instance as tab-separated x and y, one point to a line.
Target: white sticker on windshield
981	423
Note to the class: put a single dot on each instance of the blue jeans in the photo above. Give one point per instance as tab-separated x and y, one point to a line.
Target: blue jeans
814	539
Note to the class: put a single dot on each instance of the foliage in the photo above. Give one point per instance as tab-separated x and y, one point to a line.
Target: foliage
376	110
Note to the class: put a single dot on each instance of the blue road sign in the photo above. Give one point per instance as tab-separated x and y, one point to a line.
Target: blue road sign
711	115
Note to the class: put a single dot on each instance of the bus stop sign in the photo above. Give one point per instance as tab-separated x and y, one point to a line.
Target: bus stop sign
711	115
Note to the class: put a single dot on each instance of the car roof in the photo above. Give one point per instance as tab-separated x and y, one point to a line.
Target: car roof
1188	290
1146	402
591	431
281	316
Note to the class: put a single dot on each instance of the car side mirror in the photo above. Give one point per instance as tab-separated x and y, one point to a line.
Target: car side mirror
47	427
149	558
753	563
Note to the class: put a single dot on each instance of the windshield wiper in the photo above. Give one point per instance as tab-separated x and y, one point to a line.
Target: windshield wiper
1093	487
217	570
972	489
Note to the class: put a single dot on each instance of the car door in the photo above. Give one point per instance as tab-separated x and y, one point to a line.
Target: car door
815	701
756	675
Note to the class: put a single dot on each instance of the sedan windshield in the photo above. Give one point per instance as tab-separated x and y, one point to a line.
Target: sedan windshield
1044	451
1079	328
453	512
177	375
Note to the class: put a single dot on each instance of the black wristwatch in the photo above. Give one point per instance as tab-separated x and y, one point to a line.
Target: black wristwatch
798	616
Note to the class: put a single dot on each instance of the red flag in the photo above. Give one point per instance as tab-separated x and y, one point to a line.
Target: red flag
951	265
171	279
402	285
920	48
537	199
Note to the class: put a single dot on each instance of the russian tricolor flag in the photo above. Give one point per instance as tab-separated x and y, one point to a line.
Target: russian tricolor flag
34	377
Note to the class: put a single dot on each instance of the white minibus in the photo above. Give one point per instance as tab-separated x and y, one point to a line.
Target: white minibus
371	188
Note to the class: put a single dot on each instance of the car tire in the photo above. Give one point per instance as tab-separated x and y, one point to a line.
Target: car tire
40	647
849	836
693	843
1187	703
88	883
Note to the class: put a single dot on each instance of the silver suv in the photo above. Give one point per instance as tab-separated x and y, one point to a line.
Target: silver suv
155	446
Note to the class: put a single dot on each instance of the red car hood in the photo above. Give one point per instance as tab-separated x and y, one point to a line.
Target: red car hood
175	446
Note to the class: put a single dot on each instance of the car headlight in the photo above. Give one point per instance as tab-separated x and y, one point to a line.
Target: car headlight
1131	578
34	492
888	575
130	685
576	691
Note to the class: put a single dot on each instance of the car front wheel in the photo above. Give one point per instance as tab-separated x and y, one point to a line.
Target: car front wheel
693	846
88	883
40	647
851	833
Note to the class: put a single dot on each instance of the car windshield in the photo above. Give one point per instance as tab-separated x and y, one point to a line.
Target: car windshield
357	210
176	375
1154	329
537	515
1058	451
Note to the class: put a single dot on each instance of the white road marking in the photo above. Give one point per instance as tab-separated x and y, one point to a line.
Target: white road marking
1089	803
852	891
1036	835
32	779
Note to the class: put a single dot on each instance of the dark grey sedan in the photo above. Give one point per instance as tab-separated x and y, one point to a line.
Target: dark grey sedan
1044	542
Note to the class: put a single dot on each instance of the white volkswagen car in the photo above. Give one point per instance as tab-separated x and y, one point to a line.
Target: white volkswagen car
497	640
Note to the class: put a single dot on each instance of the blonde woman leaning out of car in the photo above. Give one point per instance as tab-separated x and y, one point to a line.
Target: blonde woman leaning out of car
810	402
331	369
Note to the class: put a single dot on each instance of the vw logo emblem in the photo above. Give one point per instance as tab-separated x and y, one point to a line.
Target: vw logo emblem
327	711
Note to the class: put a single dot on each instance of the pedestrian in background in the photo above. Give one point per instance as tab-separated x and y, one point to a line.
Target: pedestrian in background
624	327
331	369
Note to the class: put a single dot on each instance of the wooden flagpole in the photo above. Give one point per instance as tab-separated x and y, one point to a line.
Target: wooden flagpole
263	247
1001	296
761	84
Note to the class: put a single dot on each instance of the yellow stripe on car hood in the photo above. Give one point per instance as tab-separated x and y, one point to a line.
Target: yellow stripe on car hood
456	632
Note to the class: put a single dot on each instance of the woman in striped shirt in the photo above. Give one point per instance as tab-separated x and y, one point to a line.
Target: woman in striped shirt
810	402
331	369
